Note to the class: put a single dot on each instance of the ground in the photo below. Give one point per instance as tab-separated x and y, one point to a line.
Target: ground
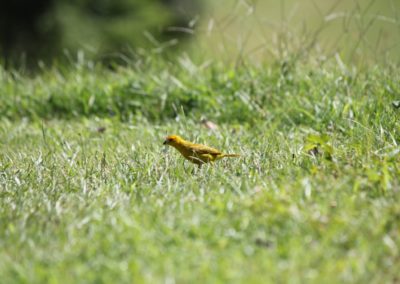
89	193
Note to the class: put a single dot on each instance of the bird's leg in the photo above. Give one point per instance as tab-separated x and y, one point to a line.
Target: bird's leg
194	170
183	163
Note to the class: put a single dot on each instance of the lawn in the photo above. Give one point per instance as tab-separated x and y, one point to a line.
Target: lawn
88	193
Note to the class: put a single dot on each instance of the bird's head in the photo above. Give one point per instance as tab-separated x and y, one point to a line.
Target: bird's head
172	140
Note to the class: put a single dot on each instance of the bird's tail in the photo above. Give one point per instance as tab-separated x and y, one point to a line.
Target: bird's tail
231	155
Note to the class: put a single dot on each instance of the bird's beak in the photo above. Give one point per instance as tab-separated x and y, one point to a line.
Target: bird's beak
165	142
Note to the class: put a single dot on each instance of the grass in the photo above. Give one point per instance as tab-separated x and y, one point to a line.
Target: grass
88	193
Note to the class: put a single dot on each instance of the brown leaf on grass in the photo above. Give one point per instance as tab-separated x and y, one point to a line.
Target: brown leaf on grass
313	151
101	129
263	243
209	124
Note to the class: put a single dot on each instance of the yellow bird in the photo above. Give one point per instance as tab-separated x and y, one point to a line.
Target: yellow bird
196	153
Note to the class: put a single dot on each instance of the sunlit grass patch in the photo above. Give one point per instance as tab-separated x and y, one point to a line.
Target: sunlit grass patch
89	194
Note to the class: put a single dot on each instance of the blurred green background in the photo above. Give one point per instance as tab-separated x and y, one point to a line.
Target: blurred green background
354	30
51	30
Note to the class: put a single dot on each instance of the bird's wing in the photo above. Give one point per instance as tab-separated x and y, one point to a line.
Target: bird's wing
202	149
